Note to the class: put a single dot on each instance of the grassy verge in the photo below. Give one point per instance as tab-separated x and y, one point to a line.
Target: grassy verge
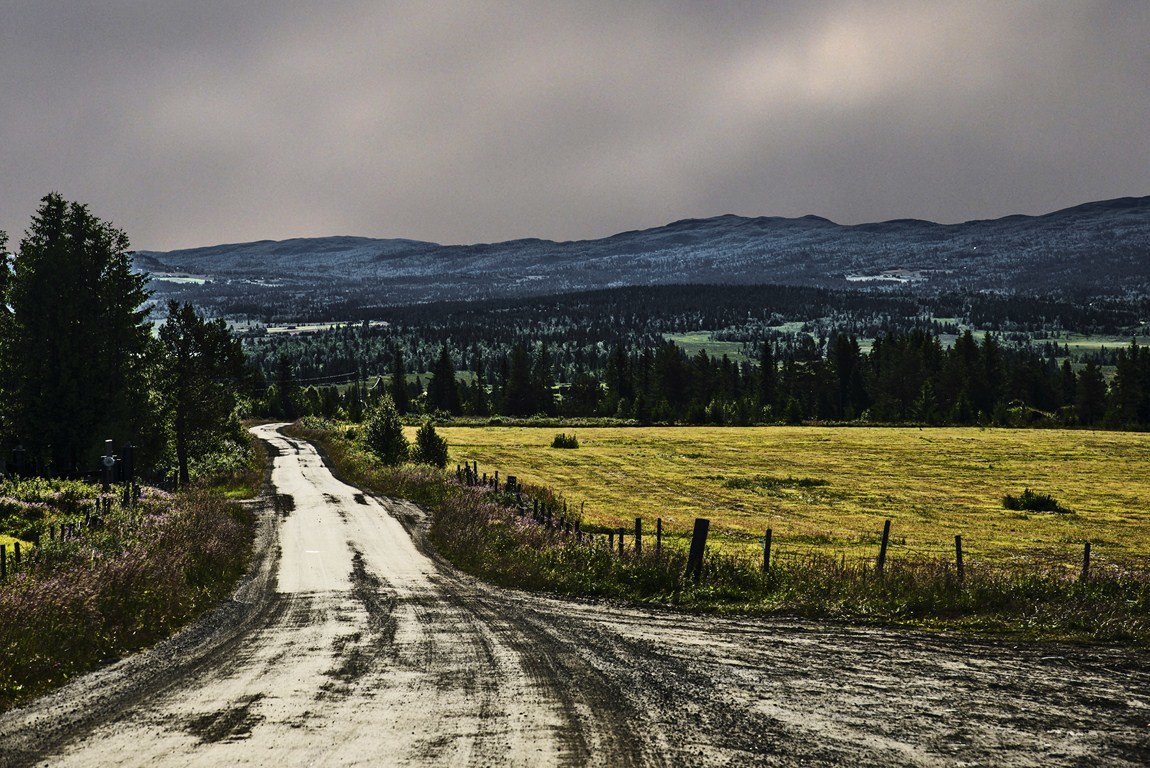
121	580
477	530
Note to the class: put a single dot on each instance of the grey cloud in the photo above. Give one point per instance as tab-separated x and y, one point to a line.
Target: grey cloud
196	123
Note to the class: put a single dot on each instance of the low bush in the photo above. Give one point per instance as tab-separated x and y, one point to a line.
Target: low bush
565	441
1029	501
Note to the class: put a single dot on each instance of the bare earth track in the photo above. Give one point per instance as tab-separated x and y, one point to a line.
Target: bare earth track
350	644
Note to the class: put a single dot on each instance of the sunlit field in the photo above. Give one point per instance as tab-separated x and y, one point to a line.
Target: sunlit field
830	489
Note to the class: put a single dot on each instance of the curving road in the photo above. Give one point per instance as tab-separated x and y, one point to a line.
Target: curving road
349	645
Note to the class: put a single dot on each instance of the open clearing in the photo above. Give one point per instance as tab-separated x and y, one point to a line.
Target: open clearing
933	484
349	644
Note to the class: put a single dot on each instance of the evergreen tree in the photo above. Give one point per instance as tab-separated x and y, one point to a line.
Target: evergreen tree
201	370
768	376
430	448
383	434
519	395
542	382
442	389
1091	403
78	344
286	400
478	400
399	393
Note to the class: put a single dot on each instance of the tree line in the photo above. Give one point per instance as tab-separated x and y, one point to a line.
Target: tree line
81	362
905	377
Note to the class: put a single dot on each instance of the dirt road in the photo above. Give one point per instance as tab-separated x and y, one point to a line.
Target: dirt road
349	645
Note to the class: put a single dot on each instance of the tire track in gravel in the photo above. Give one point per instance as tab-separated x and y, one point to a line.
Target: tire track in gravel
351	643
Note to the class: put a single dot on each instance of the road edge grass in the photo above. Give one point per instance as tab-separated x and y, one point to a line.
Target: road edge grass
475	530
144	574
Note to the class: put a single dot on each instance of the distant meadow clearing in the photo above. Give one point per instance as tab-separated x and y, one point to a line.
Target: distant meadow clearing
830	489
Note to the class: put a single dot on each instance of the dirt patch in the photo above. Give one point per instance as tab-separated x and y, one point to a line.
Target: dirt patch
234	723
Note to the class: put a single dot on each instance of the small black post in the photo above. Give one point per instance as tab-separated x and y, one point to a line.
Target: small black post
658	537
611	541
958	556
638	536
698	547
3	561
767	551
496	484
16	555
18	457
621	542
128	463
1085	561
882	547
578	533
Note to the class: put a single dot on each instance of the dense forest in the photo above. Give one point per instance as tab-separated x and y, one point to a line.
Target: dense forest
802	355
80	362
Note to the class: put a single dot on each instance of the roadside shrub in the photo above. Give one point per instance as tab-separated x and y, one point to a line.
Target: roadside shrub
565	441
383	433
126	585
1029	501
430	448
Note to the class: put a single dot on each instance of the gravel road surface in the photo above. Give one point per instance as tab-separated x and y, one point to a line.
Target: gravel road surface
349	644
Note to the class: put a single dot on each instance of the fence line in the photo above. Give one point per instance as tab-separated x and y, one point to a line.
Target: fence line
549	514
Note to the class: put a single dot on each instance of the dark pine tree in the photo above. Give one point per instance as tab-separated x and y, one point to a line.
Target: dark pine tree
399	393
201	370
78	344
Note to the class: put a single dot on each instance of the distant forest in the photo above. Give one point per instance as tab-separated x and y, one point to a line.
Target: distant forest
803	355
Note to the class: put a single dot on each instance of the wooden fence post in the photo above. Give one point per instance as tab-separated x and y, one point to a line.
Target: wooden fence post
659	537
698	547
638	536
767	551
1085	561
3	561
958	556
611	541
621	542
882	547
16	556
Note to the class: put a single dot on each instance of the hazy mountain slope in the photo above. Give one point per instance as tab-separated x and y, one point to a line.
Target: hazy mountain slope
1096	247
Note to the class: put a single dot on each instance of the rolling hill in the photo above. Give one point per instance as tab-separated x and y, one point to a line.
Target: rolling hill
1095	248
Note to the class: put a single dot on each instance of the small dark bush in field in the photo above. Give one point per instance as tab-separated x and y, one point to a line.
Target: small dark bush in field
565	441
1029	501
430	448
772	483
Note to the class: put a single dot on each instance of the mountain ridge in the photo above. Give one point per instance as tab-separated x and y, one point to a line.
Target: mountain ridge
1100	246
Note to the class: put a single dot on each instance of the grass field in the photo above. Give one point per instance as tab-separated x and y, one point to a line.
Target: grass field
829	489
701	341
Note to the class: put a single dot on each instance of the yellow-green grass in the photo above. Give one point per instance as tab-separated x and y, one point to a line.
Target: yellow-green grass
702	341
932	483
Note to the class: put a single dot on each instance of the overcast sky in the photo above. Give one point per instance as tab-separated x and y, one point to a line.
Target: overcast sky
195	123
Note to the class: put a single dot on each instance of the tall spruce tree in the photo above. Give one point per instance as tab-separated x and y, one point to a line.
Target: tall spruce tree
200	372
78	344
442	389
399	394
